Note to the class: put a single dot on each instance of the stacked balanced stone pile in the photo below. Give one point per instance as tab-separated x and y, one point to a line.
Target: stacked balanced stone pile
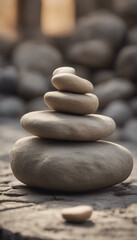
102	48
67	153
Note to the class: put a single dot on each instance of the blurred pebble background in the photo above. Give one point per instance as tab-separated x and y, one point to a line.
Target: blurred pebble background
96	37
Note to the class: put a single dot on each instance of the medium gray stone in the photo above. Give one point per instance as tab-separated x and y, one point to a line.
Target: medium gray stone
125	8
130	130
82	71
101	76
53	125
103	25
93	53
126	64
8	80
72	102
11	106
36	104
119	110
32	85
116	136
37	57
69	166
116	88
133	105
132	36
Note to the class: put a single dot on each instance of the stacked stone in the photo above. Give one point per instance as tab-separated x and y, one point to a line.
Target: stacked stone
67	153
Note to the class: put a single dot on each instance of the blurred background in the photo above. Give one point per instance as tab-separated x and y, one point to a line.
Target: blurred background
96	37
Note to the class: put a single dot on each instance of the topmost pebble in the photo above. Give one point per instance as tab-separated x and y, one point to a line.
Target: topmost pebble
64	70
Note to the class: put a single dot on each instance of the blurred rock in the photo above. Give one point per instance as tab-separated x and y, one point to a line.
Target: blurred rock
11	106
133	105
37	56
94	53
126	9
126	64
132	36
130	130
8	80
32	85
36	104
82	71
86	8
117	88
2	60
116	135
102	76
119	110
101	24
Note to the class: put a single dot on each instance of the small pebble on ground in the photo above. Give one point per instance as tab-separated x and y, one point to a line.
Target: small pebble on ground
78	214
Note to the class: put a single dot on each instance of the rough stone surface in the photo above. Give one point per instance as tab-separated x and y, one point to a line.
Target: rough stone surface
77	214
116	88
37	56
64	70
72	83
28	213
93	53
69	166
72	102
49	124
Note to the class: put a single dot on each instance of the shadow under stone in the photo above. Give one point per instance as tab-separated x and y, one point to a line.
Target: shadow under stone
121	195
86	224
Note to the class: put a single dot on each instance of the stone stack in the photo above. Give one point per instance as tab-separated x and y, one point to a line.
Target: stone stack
67	153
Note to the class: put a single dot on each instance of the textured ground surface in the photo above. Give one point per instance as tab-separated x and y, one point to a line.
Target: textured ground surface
27	213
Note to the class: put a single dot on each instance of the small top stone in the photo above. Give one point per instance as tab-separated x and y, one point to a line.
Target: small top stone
64	70
77	214
71	83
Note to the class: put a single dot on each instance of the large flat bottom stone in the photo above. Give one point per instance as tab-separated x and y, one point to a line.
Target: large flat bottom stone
70	166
